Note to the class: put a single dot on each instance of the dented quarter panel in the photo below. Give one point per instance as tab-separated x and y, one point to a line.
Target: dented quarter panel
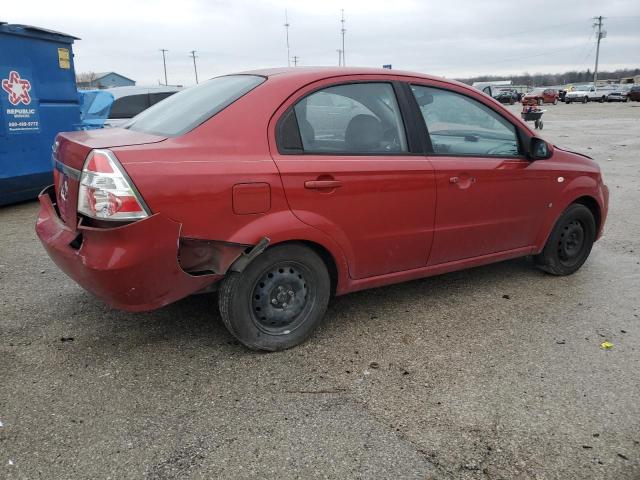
132	267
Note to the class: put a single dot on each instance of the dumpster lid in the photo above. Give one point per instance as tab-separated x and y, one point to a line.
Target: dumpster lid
32	29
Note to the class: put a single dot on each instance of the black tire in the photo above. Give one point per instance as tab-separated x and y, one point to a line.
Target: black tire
585	99
540	125
602	99
570	242
567	101
278	300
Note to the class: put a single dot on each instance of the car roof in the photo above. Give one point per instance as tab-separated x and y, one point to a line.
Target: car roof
312	74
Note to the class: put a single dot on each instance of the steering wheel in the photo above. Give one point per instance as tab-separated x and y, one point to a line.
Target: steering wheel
503	148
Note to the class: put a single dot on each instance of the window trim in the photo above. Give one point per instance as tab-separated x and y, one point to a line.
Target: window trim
422	125
412	135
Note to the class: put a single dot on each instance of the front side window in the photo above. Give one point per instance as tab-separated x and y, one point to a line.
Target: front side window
459	125
184	111
358	118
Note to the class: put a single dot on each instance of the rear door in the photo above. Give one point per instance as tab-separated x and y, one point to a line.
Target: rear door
351	167
490	198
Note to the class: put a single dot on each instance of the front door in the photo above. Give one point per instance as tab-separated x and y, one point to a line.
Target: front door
348	170
490	198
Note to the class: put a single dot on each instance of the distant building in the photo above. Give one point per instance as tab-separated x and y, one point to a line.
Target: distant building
634	79
104	80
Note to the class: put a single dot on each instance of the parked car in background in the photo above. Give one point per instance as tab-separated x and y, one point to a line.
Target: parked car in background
538	96
620	94
281	188
130	101
634	93
507	96
584	94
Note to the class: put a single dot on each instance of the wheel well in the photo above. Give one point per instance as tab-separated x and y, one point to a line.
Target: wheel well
326	257
593	206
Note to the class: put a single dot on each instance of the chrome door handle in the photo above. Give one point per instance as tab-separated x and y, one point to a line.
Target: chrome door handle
454	180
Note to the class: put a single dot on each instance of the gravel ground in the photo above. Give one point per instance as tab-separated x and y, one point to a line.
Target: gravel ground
494	372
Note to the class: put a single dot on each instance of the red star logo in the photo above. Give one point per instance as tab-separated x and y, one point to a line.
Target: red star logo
17	88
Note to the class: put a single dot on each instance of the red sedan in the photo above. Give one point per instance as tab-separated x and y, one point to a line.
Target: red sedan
280	188
539	96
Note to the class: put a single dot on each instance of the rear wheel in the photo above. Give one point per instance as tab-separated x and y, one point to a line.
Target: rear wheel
567	101
570	242
278	300
585	99
602	99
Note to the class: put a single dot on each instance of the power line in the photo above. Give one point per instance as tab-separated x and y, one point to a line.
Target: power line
538	29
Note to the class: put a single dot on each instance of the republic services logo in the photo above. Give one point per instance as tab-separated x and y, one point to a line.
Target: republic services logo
17	88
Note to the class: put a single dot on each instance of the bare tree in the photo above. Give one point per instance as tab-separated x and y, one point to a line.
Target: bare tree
87	79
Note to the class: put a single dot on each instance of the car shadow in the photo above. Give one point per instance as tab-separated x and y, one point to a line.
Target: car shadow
196	319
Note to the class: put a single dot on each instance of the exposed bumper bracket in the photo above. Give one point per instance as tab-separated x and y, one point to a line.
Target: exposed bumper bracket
245	259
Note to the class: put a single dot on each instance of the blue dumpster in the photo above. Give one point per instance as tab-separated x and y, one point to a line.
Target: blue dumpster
38	99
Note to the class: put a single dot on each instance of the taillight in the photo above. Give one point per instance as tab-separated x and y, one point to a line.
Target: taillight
106	192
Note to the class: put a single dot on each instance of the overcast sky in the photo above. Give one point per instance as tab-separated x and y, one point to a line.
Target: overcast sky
449	38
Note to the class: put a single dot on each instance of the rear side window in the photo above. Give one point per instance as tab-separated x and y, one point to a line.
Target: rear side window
459	125
182	112
358	118
156	97
130	106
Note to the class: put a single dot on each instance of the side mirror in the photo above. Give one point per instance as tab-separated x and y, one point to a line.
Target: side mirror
424	99
539	149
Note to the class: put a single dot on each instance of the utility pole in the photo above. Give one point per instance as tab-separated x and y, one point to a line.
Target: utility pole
339	56
195	69
286	27
295	60
342	31
164	62
601	35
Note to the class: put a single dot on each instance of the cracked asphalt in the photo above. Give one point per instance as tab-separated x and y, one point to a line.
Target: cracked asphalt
489	373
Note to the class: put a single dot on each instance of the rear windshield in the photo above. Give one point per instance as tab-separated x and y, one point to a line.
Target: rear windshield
184	111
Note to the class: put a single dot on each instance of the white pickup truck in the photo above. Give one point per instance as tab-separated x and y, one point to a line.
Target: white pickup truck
586	93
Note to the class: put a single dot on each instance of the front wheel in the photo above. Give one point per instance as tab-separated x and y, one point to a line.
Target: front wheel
570	242
585	99
540	102
602	99
278	300
555	101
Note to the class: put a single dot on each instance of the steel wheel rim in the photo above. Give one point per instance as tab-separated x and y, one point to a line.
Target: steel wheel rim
572	242
281	298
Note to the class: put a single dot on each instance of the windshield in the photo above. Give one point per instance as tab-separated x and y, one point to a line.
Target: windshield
582	88
536	91
184	111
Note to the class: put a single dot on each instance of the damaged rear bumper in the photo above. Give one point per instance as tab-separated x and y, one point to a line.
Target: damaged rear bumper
133	267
